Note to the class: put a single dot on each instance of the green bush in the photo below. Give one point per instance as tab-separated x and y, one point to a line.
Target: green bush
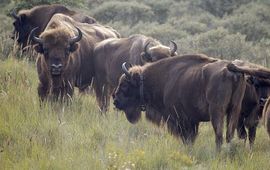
190	26
127	12
252	20
220	8
218	43
161	10
22	4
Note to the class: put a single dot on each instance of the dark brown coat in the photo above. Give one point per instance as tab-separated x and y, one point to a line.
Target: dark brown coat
111	53
257	91
62	65
39	16
188	90
266	115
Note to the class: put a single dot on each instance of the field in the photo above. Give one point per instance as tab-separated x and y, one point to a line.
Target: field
77	136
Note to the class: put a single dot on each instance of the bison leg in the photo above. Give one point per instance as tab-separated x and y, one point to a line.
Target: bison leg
43	91
268	125
69	90
189	132
193	132
103	97
56	93
241	131
217	117
235	109
251	135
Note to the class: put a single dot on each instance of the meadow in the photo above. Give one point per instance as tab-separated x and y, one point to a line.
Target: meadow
77	136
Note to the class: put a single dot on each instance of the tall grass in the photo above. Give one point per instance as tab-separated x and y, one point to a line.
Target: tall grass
76	136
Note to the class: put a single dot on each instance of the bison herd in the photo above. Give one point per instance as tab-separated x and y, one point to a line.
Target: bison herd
141	74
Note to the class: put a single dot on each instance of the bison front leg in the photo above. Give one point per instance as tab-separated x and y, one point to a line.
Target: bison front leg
56	93
217	117
190	133
251	135
68	90
241	131
43	91
103	97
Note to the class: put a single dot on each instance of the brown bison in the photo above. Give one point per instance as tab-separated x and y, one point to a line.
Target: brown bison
111	53
66	55
39	16
183	91
266	115
257	91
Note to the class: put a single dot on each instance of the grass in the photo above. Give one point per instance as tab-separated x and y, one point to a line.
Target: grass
52	136
78	137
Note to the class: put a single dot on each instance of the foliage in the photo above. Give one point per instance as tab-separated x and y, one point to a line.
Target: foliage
252	20
129	13
221	7
22	4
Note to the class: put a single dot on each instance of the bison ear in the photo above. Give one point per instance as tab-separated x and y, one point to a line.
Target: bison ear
73	47
38	48
146	57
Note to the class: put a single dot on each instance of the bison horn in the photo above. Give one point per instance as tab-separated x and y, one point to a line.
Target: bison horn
147	55
76	38
174	49
125	70
14	15
34	38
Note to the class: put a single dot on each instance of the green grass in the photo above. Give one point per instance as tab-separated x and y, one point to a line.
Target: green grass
78	137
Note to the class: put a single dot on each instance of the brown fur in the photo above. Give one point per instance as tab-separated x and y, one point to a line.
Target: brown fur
251	111
39	16
257	88
77	60
266	115
187	91
249	69
111	53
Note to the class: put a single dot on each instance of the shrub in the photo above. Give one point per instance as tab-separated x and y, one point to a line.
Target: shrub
127	12
20	4
220	7
190	26
218	43
252	20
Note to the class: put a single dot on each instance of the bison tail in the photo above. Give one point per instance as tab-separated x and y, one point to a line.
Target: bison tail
257	72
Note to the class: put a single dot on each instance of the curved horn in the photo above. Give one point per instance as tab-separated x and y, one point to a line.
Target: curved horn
174	49
125	70
147	55
14	15
34	38
76	38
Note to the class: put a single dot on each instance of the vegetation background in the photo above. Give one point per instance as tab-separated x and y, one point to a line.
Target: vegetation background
78	137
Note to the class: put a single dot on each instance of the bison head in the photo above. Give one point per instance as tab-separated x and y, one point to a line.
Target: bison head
127	94
22	28
56	46
158	52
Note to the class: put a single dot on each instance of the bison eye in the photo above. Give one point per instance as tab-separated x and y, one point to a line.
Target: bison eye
124	88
